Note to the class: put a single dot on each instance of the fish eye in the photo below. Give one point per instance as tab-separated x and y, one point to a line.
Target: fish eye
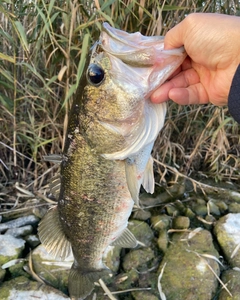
95	74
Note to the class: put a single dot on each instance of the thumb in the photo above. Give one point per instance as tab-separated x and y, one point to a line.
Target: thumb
175	37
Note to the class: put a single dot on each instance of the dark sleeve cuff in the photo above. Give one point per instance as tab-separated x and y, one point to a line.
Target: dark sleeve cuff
234	96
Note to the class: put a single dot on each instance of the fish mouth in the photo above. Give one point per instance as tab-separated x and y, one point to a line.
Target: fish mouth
134	48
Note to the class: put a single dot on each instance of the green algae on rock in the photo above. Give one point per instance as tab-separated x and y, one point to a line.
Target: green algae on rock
23	288
231	278
227	231
186	274
11	248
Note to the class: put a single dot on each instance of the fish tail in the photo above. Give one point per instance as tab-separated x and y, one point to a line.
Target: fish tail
81	284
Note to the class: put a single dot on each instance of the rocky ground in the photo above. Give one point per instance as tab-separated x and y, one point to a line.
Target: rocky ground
188	249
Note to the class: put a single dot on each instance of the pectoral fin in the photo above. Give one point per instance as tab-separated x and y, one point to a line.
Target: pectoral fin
148	177
126	240
52	236
132	182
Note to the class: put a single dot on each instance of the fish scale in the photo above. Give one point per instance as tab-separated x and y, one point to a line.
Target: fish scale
107	155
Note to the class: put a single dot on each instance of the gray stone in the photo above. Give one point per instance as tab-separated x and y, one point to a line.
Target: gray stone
11	248
186	274
19	222
227	231
32	240
53	271
231	278
21	231
22	288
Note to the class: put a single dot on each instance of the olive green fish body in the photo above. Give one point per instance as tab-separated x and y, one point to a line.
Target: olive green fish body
107	156
94	203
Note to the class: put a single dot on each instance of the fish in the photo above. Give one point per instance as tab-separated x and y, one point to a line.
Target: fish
107	153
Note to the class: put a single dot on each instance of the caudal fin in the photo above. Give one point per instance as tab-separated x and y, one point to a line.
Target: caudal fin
81	284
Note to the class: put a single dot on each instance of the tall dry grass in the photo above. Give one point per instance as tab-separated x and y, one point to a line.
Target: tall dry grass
42	49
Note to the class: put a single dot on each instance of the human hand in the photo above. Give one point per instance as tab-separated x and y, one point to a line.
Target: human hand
212	42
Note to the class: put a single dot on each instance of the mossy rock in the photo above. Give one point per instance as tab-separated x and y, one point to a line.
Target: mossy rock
138	259
22	288
54	272
11	248
227	231
142	232
144	295
231	278
187	274
2	274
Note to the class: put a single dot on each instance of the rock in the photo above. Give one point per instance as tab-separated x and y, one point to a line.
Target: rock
162	241
186	274
172	210
32	240
189	213
222	206
21	231
209	222
22	288
137	259
231	278
19	222
40	211
213	208
111	258
141	231
227	231
199	207
234	207
144	295
181	222
53	271
125	281
141	215
2	274
160	222
17	269
11	248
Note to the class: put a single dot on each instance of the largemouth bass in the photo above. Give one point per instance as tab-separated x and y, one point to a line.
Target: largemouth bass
107	155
